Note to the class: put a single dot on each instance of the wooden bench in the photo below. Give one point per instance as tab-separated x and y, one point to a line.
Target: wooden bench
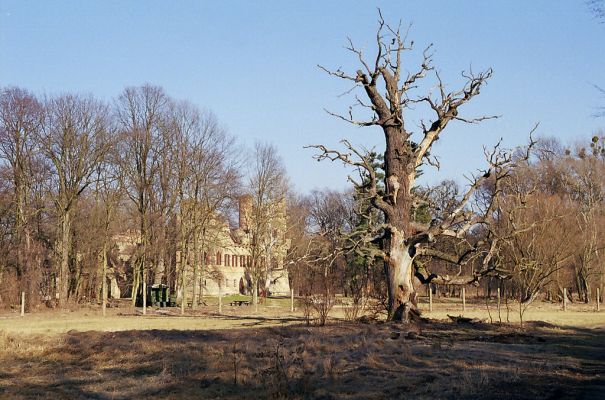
240	303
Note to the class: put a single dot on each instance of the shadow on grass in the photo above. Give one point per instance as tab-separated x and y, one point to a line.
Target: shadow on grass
342	360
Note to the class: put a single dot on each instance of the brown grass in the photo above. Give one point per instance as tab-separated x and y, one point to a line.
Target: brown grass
343	360
243	356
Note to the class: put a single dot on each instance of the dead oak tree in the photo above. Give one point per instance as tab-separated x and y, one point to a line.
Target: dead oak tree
389	92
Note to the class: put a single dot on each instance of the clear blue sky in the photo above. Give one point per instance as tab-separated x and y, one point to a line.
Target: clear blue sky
254	64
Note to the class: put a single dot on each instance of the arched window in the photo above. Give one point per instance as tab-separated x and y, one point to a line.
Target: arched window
218	258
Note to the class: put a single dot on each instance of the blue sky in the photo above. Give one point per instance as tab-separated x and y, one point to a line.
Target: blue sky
254	63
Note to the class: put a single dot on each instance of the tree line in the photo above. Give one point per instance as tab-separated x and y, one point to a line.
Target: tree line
546	235
78	174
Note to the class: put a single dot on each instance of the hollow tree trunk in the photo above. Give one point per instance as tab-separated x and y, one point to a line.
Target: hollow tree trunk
399	271
399	173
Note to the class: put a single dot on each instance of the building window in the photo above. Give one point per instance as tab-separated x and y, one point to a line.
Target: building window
234	260
226	260
218	258
235	283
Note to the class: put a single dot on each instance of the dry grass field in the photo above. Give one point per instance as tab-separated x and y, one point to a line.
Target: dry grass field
273	354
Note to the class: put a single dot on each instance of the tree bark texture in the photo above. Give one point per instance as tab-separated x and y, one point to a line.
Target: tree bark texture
65	246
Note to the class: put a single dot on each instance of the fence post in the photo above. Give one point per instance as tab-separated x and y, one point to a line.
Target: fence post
22	304
564	299
430	298
463	299
291	300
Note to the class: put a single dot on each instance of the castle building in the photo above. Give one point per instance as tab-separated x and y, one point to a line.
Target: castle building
225	257
224	254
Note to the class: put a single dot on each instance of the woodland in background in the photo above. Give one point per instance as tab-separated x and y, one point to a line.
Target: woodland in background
549	225
77	172
80	176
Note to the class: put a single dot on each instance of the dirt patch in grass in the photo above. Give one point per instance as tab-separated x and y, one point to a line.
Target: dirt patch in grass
341	361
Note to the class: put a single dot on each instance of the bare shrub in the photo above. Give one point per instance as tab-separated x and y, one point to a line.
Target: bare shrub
322	304
306	305
355	308
475	380
286	373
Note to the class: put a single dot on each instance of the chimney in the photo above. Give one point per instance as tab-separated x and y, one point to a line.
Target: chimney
245	208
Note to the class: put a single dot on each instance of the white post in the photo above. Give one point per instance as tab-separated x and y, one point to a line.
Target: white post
292	300
23	304
430	298
564	299
598	298
463	300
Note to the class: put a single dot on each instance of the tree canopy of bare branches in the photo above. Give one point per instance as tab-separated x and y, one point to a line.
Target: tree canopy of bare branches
390	89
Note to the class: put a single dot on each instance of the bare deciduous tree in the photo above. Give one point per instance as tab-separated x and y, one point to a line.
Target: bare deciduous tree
141	116
208	178
20	120
75	138
267	187
389	92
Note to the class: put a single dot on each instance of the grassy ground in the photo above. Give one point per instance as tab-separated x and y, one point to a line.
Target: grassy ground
273	354
274	312
577	314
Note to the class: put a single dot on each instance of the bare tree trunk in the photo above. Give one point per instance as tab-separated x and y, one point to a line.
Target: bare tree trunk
64	258
399	272
145	241
160	268
255	293
202	274
184	258
267	280
104	280
135	282
196	271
